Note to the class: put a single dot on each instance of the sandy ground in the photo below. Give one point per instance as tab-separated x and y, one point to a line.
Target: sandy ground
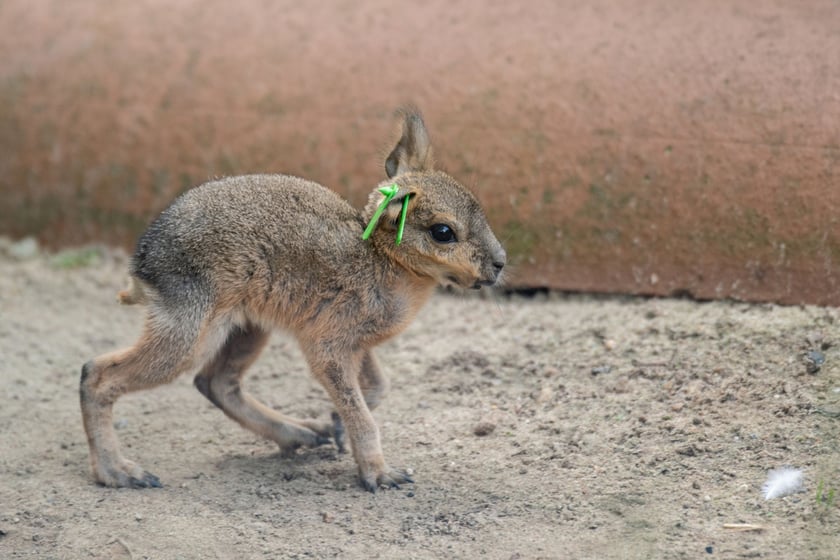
618	428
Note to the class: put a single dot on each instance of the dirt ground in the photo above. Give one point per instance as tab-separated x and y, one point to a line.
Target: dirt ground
618	428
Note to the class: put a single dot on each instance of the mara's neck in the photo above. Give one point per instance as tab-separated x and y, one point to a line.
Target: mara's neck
400	276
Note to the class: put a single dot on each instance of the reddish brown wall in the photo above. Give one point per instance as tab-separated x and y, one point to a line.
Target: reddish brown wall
651	146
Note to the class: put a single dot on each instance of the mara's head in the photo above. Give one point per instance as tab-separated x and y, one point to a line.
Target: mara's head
446	235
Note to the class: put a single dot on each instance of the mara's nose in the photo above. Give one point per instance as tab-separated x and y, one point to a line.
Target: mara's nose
499	260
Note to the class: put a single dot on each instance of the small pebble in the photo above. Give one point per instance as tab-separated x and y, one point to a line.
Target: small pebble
484	428
551	371
598	370
327	517
814	361
544	395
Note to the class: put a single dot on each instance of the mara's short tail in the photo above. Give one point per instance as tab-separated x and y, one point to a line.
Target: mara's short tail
133	294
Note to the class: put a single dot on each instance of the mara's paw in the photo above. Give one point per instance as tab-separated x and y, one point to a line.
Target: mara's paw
329	431
323	429
388	478
297	437
127	475
145	480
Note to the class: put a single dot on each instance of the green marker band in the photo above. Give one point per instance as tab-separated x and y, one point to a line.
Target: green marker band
403	213
390	192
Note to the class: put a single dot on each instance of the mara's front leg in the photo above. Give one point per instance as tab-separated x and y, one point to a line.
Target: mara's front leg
339	374
374	386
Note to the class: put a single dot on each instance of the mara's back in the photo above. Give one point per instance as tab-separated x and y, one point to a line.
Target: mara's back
263	232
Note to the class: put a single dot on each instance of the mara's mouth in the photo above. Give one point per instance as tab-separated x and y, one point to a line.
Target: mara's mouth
452	280
479	283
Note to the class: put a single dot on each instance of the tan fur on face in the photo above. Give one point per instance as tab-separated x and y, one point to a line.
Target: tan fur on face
233	259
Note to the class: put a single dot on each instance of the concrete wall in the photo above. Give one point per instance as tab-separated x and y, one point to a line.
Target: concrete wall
655	146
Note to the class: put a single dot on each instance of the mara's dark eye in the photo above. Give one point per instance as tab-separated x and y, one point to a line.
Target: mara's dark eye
442	233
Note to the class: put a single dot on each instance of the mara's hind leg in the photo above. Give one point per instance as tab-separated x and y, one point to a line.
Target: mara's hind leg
220	382
162	353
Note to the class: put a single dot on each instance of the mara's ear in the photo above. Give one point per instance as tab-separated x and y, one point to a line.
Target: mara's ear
391	213
391	216
413	151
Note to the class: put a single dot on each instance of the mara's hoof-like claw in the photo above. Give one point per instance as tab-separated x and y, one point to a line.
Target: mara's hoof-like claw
148	480
126	474
390	479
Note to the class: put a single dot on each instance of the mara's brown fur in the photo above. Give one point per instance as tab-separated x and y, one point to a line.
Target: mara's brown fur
233	259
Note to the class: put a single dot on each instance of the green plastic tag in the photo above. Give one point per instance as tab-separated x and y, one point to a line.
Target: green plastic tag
401	226
390	192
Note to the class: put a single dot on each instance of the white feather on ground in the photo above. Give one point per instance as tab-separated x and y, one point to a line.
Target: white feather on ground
783	482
